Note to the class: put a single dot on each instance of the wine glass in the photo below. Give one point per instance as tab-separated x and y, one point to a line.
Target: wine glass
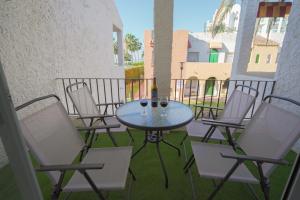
164	103
144	103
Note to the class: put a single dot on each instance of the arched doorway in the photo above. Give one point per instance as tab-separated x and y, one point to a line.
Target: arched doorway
190	88
209	86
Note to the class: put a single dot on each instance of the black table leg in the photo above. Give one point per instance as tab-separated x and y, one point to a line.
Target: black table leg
161	161
171	145
143	145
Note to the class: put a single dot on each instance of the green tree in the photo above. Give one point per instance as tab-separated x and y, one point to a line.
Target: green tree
127	56
133	45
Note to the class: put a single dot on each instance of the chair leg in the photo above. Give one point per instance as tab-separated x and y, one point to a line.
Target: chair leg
264	182
188	162
190	165
132	174
183	139
130	135
57	188
235	166
92	184
112	138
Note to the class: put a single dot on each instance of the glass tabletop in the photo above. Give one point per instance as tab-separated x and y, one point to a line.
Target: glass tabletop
178	115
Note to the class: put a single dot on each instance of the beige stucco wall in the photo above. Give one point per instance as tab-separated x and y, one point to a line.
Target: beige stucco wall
179	51
263	52
148	53
221	71
43	40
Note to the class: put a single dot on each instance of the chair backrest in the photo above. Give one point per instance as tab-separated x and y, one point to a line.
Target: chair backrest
83	101
271	133
51	137
238	106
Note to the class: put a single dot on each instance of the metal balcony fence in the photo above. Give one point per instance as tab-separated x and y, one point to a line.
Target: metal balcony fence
214	93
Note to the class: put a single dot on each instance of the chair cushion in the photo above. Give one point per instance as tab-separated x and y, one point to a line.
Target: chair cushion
211	164
112	120
196	129
112	177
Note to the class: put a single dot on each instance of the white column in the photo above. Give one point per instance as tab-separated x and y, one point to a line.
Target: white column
244	38
120	48
10	133
163	37
288	71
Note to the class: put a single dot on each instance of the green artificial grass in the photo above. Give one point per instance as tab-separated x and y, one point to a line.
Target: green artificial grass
150	180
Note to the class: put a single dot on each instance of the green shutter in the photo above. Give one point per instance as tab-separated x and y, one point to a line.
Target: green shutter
213	56
257	59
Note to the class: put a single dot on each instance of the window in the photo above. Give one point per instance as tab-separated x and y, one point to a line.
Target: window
269	59
193	56
257	59
213	56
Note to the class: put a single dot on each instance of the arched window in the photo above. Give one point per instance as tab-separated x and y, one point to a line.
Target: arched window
269	56
191	86
257	58
210	86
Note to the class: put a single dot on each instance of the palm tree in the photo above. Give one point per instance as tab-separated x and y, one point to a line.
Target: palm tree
132	44
218	25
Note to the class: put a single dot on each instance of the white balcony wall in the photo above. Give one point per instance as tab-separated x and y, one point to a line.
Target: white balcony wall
43	40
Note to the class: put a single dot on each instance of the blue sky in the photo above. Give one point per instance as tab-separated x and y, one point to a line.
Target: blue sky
137	15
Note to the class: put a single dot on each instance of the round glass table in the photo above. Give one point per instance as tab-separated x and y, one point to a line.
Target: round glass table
154	123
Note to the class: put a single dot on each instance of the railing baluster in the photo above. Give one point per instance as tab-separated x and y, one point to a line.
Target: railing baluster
90	86
253	107
139	88
111	97
182	93
263	94
175	92
64	87
203	99
98	96
272	90
118	84
219	95
104	90
190	92
197	94
132	97
147	88
125	90
72	102
227	89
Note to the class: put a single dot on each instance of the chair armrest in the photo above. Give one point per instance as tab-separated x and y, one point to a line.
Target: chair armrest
107	104
44	168
255	159
222	123
208	107
95	116
99	127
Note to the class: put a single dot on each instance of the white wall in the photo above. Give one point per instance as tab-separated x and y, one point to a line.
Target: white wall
43	40
200	43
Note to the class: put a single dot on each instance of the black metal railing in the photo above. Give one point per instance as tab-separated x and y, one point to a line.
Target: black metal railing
190	92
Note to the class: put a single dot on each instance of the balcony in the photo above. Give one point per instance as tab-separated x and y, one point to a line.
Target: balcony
47	46
145	165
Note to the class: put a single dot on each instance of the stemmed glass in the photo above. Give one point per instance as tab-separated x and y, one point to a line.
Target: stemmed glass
144	103
164	103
